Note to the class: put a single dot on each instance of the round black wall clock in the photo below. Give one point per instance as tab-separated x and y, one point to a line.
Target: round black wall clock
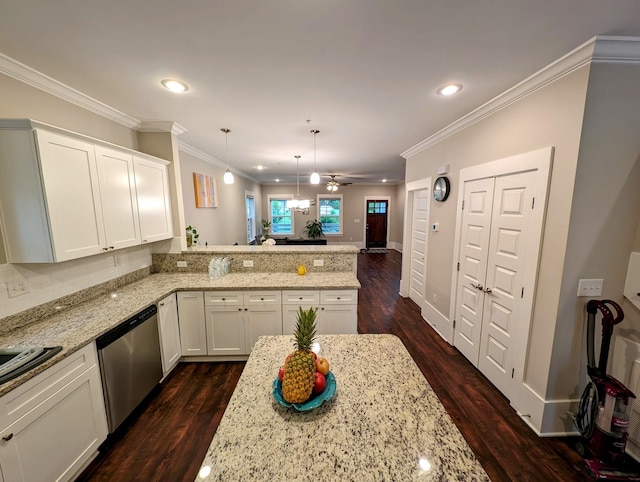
441	189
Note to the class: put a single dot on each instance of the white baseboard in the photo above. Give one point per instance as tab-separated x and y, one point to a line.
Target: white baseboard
396	246
438	322
547	418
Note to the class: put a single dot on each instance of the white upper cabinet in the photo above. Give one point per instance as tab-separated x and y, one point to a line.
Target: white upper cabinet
65	196
118	194
154	200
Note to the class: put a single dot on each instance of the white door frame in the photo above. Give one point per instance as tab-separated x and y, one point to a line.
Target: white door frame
364	227
540	161
411	188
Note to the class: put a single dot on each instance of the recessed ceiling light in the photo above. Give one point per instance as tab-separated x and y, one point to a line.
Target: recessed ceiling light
384	180
175	85
277	180
259	168
449	89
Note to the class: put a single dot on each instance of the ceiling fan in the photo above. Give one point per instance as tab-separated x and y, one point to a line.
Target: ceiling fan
333	185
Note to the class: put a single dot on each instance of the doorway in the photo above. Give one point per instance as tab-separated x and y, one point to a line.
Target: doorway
499	235
377	223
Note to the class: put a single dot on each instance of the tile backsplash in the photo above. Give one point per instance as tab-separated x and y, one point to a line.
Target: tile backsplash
49	282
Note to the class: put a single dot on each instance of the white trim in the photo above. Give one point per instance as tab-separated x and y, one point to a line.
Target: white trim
437	321
600	49
547	418
364	224
250	194
161	126
410	188
540	161
395	245
34	78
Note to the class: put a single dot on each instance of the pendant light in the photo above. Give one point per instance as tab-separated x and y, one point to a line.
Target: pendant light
298	204
228	175
315	177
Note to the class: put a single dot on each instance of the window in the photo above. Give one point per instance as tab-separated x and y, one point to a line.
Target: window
280	216
250	204
377	207
330	213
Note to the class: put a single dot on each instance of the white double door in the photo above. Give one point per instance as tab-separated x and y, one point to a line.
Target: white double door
497	243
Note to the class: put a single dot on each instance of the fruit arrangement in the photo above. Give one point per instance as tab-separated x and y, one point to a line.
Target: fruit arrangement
303	373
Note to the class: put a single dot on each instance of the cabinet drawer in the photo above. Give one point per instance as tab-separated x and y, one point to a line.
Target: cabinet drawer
339	297
262	298
300	297
30	394
223	298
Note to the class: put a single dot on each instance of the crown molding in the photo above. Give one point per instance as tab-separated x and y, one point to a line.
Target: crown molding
203	156
30	76
598	49
161	126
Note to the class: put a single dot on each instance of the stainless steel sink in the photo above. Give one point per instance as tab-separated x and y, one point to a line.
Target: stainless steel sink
15	361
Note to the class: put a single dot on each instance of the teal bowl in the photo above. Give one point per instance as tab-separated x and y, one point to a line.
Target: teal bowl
314	402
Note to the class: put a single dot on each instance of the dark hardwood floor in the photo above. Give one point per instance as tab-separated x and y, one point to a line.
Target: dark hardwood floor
170	433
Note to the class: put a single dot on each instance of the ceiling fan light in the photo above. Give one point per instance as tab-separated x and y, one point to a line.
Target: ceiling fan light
228	177
315	178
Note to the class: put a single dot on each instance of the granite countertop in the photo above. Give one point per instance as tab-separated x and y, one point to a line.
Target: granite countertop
78	326
385	422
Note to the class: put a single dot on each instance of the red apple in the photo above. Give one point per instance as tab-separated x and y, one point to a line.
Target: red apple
320	383
281	373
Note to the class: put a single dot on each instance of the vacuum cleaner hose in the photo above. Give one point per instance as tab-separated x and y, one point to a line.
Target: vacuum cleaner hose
585	419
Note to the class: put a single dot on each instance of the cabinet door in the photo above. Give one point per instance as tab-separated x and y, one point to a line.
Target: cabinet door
226	331
193	334
72	195
262	321
169	333
118	196
154	200
59	436
290	317
338	320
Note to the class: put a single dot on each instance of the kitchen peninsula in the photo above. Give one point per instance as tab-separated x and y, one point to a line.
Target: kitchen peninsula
384	422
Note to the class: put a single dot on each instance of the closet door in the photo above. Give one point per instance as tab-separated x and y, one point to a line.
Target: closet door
508	258
474	247
419	231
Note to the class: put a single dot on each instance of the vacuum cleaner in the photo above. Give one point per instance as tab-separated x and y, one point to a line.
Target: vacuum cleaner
605	405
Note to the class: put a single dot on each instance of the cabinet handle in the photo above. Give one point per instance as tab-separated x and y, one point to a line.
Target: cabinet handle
246	309
111	247
105	249
239	309
224	299
160	304
337	297
322	308
261	299
301	297
144	240
6	438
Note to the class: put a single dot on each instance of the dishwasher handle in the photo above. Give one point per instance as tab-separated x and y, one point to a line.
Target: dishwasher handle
125	327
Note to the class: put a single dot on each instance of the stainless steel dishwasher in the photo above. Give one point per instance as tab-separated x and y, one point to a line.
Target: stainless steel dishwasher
130	364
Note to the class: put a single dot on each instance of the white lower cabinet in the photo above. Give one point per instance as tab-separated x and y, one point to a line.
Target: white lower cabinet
53	424
169	331
236	319
193	334
337	310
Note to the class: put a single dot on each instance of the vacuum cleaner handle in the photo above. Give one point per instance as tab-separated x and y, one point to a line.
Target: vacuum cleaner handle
608	321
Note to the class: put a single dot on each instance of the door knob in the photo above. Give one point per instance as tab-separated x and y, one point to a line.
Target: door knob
477	286
487	290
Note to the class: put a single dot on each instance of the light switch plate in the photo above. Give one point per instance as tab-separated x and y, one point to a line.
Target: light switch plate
247	263
318	262
182	264
590	287
17	288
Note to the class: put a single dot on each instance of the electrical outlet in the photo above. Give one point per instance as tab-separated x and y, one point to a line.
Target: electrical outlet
590	287
17	288
435	297
181	264
247	263
318	262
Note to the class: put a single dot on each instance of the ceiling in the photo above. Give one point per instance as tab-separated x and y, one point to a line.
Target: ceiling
363	72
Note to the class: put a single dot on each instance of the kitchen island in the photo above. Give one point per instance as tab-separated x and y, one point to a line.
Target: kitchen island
384	422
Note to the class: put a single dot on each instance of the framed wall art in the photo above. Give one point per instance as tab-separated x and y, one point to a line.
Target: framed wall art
206	190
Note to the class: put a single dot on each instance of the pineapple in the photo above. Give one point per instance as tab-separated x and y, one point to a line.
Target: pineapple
299	370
